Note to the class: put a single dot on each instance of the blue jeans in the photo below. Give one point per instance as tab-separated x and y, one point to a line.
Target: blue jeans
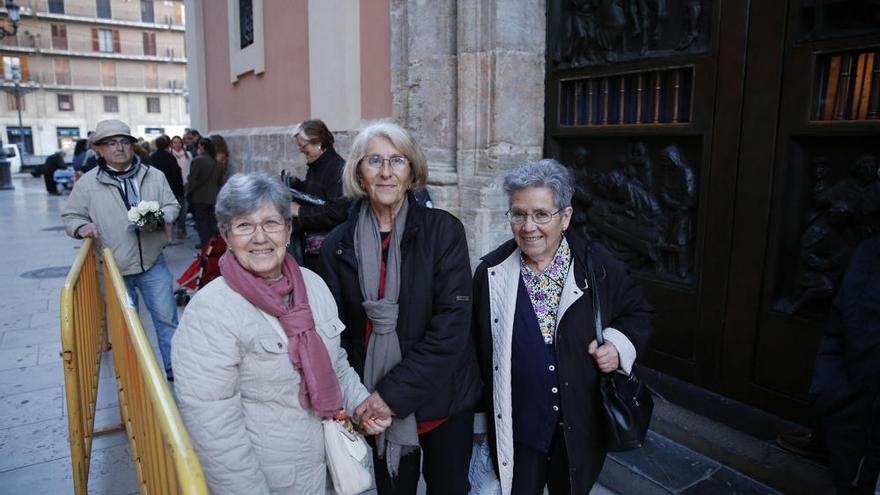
157	287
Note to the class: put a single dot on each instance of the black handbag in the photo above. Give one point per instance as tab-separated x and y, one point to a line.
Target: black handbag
626	401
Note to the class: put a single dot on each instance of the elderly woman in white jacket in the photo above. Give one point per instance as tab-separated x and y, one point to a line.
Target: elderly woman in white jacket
258	362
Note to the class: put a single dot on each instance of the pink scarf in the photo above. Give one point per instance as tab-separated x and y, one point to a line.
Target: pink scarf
319	389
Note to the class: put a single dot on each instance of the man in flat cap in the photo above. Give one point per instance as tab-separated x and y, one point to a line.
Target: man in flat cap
98	208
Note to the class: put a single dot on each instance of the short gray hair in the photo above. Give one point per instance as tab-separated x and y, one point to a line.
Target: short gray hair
542	173
244	194
401	139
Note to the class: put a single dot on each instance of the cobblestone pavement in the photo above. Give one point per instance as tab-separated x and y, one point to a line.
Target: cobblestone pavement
34	448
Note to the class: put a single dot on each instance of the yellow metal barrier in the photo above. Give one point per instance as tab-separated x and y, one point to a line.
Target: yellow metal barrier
164	458
82	339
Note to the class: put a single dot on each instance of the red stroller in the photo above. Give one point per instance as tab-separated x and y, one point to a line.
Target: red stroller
205	268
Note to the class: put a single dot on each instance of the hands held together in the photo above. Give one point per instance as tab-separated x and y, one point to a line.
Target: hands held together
373	415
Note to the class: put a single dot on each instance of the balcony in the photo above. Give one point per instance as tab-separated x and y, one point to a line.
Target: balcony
82	14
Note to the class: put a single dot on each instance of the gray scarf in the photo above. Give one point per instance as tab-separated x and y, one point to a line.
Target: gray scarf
126	181
383	349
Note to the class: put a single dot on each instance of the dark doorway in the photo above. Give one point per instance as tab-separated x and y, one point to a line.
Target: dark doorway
721	149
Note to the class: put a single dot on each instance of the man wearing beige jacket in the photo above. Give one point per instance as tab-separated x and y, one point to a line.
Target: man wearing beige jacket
98	208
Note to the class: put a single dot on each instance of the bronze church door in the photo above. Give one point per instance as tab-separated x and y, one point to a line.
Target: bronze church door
723	150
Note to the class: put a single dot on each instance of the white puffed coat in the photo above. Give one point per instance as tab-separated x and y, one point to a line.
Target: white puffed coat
238	392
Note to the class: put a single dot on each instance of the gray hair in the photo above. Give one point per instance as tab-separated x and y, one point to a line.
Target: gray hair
401	139
542	173
244	194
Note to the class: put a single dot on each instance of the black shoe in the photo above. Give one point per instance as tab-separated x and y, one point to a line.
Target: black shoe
804	443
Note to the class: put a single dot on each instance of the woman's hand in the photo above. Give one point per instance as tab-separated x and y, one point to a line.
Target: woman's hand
372	408
606	356
375	426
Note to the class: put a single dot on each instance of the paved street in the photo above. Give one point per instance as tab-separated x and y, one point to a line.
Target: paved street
34	448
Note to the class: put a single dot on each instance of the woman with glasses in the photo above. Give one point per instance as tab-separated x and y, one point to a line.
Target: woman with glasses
258	356
323	181
400	275
538	355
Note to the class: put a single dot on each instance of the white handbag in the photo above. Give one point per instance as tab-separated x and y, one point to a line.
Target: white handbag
348	457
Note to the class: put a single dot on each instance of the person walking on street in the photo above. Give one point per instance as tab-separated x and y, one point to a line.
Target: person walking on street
98	208
53	163
183	160
203	183
164	161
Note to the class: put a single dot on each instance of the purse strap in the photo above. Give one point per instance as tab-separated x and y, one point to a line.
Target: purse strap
594	293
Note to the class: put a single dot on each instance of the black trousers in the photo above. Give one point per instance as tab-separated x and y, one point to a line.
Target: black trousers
206	222
447	456
532	469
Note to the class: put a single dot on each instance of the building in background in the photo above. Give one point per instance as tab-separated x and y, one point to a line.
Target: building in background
81	61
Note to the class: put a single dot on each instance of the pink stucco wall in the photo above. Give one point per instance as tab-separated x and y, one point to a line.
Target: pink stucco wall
375	24
280	96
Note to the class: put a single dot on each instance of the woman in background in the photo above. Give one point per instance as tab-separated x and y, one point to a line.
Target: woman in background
183	160
202	185
324	181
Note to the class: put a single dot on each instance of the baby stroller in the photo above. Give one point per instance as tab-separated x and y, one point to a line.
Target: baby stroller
204	268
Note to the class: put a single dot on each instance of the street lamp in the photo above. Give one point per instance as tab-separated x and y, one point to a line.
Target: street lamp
14	13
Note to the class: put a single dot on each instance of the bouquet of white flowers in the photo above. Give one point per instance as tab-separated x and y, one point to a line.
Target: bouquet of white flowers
145	212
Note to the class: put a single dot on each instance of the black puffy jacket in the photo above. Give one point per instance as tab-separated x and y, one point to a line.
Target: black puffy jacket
438	375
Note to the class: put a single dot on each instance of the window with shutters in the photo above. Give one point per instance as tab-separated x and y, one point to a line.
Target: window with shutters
111	104
151	76
12	104
153	104
106	40
16	68
56	6
65	103
62	71
59	36
178	13
103	9
108	74
150	44
147	13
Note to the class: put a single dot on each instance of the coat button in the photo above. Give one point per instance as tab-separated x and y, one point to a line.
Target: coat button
493	274
554	390
504	463
555	408
496	368
551	368
338	251
496	320
499	416
279	345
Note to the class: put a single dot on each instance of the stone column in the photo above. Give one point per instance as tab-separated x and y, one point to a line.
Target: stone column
501	107
424	87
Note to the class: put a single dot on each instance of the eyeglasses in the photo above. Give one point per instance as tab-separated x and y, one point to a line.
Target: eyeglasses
247	228
540	217
397	162
115	143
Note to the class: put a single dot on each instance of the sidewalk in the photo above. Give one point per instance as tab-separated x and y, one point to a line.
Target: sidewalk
34	448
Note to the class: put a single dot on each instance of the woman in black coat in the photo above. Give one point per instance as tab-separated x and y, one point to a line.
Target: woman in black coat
324	181
538	356
401	277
